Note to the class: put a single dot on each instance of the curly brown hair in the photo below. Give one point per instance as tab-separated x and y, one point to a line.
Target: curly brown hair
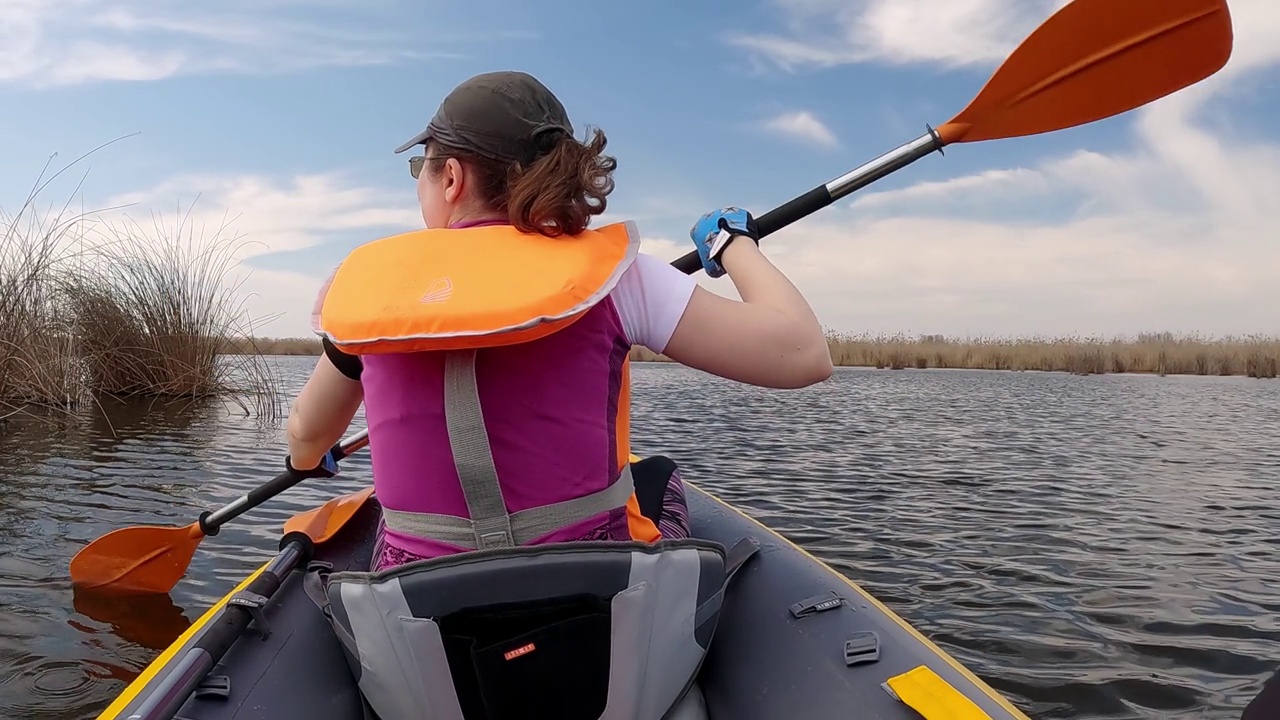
555	193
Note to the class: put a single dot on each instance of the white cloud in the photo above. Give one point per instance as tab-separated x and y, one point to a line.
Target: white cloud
998	183
250	216
802	125
951	33
825	33
77	41
1176	233
276	216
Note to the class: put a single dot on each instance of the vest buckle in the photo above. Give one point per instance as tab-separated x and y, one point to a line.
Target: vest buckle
500	538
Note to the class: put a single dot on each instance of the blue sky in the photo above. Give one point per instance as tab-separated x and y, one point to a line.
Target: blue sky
280	117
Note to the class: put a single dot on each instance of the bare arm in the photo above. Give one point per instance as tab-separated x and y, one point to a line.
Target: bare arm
321	414
771	338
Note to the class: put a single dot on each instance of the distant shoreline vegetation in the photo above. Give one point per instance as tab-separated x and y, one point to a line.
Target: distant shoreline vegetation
1152	353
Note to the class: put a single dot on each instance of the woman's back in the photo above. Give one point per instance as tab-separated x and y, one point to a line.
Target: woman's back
543	418
552	413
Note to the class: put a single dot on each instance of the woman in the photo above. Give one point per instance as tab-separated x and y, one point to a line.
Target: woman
507	193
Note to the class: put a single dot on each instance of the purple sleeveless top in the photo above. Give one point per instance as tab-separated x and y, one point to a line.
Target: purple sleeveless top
550	407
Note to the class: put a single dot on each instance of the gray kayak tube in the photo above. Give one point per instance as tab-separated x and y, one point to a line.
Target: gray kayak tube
796	639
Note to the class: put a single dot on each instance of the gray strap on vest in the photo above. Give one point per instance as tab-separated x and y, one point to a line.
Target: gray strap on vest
471	453
489	524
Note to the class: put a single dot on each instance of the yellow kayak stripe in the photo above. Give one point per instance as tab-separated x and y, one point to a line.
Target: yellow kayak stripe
999	699
141	682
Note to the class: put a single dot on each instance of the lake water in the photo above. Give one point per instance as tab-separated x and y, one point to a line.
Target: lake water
1093	547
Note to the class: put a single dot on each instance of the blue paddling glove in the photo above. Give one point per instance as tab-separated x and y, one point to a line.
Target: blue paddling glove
327	468
713	231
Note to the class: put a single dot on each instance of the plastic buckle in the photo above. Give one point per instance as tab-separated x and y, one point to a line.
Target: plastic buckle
254	603
829	600
863	647
496	539
214	686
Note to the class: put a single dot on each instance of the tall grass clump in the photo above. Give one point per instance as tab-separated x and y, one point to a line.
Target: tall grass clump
154	312
90	307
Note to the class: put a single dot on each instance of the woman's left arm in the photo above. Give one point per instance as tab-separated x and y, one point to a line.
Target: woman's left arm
321	414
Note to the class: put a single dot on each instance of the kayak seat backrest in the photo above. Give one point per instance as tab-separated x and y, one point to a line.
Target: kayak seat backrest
581	630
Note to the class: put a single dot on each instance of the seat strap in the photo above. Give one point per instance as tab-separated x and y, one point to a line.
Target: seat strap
313	584
489	524
738	555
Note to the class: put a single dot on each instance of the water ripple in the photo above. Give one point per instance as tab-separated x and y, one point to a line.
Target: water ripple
1094	547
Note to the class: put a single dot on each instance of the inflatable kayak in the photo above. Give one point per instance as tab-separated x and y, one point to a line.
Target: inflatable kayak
795	639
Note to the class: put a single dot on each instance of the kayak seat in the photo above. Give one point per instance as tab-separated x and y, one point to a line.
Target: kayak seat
573	631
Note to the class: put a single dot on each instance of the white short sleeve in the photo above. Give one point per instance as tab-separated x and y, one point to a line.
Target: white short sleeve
651	297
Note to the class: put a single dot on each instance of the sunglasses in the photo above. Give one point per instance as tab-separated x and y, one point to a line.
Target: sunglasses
416	162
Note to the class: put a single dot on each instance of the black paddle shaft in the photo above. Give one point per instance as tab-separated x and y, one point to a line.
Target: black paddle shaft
210	522
824	195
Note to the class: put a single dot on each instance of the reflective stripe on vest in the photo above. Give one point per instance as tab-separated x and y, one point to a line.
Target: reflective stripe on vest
490	525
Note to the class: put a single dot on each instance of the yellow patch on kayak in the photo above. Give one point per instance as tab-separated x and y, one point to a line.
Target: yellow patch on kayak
924	691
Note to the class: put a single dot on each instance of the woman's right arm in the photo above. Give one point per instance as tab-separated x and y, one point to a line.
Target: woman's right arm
771	338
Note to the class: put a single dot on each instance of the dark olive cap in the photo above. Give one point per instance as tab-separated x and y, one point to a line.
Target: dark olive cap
499	115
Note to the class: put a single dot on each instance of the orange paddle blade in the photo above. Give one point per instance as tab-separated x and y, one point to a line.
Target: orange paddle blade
1094	59
143	559
322	523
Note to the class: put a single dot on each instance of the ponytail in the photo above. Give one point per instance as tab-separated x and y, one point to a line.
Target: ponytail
560	190
554	194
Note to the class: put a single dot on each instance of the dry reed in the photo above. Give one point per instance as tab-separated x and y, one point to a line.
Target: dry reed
154	311
89	308
37	345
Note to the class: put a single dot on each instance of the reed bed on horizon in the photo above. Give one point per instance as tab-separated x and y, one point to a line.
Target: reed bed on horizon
1150	353
1153	353
92	308
271	346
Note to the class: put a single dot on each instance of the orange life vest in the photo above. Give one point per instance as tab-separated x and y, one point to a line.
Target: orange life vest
463	289
450	289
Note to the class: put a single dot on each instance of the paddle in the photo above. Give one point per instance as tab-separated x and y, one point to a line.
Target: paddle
1091	60
324	522
151	559
302	533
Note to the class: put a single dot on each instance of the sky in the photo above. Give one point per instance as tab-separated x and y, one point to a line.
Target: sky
272	122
